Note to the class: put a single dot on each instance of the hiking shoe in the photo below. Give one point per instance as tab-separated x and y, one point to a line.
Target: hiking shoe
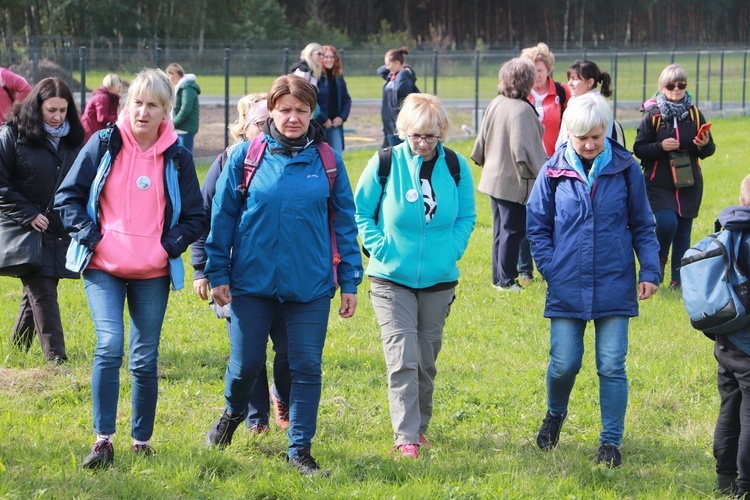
549	434
221	433
675	285
101	457
306	464
513	287
423	441
281	410
726	484
257	428
143	450
609	456
59	360
406	451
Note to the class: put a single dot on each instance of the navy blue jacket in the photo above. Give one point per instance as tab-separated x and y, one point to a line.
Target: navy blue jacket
394	93
583	241
737	218
345	100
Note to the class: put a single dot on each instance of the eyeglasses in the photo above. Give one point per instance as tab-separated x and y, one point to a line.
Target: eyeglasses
429	139
671	86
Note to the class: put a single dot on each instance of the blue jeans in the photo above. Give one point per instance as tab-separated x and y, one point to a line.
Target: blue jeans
525	262
187	140
259	405
335	138
566	352
673	230
306	324
147	303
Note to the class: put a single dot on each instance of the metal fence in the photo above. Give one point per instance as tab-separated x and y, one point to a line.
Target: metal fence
468	79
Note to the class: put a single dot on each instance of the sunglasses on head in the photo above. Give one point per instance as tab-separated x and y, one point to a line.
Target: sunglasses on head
671	86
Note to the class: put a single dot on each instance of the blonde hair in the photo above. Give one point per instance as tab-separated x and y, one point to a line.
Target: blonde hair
306	55
423	113
745	192
245	104
540	53
176	69
112	81
155	82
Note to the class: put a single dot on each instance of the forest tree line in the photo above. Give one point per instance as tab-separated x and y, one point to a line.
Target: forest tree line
437	24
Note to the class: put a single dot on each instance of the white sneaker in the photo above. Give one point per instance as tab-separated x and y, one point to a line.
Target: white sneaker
515	287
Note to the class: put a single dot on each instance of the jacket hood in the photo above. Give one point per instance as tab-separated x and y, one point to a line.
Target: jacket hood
188	79
167	135
735	218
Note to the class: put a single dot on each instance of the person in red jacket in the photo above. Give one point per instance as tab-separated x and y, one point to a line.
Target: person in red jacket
15	89
102	108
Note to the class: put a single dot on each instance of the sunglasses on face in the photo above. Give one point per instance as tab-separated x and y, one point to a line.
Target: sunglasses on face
671	86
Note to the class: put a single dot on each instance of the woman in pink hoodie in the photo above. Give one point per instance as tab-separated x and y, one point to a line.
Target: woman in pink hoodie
132	204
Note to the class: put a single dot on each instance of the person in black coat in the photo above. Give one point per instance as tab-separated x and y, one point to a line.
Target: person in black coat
38	145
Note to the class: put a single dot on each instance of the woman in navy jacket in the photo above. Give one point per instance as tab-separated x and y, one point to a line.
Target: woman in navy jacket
587	214
333	98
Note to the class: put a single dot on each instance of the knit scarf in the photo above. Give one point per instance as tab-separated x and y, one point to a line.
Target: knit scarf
55	134
290	146
671	109
601	161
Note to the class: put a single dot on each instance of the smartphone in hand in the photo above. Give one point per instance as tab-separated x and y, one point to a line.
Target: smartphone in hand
703	131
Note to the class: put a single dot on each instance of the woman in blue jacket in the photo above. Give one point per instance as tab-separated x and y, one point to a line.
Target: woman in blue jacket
416	228
270	251
587	214
333	98
400	81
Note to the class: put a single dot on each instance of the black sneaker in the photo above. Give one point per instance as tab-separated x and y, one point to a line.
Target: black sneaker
101	457
306	464
221	433
549	434
609	456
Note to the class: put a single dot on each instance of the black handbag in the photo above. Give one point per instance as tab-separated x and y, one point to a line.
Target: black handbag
21	249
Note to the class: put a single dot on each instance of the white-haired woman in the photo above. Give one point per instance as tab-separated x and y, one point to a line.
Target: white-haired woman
587	215
416	228
132	204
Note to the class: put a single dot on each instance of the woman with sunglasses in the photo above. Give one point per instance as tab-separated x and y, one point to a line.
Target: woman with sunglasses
669	147
416	227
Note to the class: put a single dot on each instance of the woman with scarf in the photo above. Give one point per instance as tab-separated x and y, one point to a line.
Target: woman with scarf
669	148
38	145
586	217
270	252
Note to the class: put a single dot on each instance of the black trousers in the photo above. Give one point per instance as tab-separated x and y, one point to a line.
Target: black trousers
509	228
40	313
732	434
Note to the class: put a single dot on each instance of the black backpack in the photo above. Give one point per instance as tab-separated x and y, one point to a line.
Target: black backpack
384	170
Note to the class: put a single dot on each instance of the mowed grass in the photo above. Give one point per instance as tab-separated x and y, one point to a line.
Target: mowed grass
489	399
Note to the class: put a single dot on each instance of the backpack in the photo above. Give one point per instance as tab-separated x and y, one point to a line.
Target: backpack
252	162
656	118
562	96
715	291
384	170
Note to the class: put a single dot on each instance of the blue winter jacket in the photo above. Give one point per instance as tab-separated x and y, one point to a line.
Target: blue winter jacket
583	241
77	200
324	93
275	242
403	248
737	218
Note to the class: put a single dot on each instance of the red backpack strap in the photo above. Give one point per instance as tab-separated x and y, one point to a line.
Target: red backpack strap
252	161
329	164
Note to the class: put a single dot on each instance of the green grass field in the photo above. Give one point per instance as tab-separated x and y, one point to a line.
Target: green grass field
489	399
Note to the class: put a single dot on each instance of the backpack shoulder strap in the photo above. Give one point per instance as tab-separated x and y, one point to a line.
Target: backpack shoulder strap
105	135
656	121
329	165
252	162
562	96
384	170
696	117
329	162
451	158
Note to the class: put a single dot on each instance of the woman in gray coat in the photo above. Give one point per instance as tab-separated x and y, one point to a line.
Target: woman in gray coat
509	147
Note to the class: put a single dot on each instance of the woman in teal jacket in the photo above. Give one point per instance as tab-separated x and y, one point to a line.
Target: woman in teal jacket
416	228
270	252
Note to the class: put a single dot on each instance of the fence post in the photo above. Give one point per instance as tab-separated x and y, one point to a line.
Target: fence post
245	55
434	71
697	76
744	80
226	98
708	82
157	56
286	61
645	70
35	66
82	61
671	59
476	91
614	78
721	83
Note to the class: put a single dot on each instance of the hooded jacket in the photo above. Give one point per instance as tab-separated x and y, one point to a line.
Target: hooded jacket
737	218
403	247
100	110
186	111
274	241
79	202
583	241
395	90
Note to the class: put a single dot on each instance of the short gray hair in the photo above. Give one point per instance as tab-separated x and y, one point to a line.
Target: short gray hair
516	78
586	113
672	73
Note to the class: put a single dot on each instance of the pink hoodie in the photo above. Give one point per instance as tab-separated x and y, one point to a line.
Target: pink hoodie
132	208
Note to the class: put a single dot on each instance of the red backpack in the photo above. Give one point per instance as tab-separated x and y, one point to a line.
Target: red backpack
252	162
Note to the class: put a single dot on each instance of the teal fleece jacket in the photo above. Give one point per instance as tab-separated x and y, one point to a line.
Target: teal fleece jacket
403	248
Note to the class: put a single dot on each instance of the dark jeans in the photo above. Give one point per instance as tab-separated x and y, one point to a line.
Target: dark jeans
525	262
673	230
282	378
509	228
40	313
732	433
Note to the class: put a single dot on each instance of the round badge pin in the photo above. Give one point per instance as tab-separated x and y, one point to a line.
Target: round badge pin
412	195
143	183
